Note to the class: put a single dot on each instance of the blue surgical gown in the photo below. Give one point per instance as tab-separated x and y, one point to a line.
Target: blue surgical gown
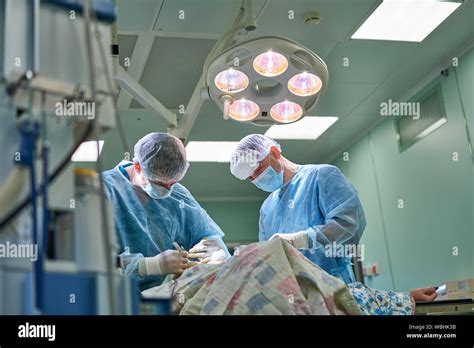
146	226
320	201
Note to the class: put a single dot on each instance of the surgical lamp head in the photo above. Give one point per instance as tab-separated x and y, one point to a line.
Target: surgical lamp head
267	80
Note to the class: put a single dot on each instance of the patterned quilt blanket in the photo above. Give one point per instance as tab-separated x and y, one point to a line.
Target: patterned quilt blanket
274	278
263	278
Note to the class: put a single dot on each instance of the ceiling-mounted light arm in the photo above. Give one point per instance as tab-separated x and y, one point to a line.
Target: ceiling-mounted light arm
249	21
244	20
145	98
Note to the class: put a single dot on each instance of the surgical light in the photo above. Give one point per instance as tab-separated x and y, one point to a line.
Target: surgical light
266	81
286	112
270	64
231	81
243	110
304	84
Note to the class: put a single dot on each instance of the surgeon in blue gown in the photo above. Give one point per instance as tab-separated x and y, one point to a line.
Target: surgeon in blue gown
152	210
313	207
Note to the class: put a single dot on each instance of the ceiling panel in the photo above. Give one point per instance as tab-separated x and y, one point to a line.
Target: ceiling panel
126	45
377	71
338	19
173	69
217	14
136	15
357	61
340	99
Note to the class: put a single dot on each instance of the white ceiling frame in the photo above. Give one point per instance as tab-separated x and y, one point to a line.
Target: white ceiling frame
139	58
141	53
128	80
176	35
137	65
145	98
144	44
191	112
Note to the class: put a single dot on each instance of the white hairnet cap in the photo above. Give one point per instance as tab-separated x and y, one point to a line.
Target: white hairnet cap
161	156
249	152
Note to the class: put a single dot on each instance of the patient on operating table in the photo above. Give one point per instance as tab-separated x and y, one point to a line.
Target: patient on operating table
271	278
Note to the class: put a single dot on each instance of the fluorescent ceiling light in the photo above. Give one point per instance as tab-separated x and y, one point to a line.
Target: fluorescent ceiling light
309	127
405	20
87	151
210	151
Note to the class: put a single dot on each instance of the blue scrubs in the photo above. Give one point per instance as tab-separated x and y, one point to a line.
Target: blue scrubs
146	226
322	202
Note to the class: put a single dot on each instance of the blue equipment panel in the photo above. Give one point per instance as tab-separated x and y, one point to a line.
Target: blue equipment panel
104	9
65	294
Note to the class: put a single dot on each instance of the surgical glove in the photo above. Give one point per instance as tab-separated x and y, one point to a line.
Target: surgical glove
298	239
167	262
216	257
205	248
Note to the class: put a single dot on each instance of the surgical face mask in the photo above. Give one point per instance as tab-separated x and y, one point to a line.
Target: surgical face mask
269	180
156	191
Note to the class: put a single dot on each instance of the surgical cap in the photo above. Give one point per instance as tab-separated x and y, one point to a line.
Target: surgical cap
249	152
161	157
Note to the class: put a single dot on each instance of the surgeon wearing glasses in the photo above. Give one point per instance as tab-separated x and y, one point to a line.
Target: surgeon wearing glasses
153	211
310	206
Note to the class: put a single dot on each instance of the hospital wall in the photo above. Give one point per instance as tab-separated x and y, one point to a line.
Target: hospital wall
241	225
430	239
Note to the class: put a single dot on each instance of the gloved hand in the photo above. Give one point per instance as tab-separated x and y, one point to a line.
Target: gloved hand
206	246
208	250
167	262
216	257
298	239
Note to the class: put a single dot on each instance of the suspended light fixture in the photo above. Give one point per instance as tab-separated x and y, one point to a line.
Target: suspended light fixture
286	112
243	110
266	81
231	81
304	84
270	64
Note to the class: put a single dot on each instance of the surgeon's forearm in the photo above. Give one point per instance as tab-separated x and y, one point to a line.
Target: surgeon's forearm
131	264
322	235
340	231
